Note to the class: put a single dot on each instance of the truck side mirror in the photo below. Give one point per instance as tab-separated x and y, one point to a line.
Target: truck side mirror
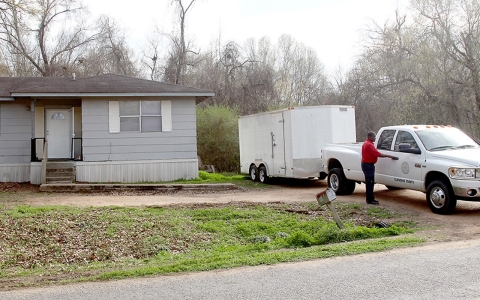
406	148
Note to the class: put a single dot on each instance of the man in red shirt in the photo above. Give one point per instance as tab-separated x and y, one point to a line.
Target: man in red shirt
370	156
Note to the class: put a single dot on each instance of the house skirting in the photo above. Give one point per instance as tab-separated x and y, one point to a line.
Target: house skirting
136	171
21	172
119	171
15	172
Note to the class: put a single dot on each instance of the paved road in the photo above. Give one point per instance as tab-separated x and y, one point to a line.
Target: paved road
437	271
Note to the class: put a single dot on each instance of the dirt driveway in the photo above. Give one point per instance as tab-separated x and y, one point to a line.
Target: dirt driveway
464	224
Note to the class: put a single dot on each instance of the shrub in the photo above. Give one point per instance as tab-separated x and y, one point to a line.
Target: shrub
217	142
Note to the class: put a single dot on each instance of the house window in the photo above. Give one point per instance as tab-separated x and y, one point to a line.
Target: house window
140	116
143	116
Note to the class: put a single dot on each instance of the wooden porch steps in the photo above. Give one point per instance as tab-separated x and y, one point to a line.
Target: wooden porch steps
60	172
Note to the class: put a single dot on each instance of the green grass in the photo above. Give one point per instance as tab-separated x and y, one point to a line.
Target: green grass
47	244
212	178
205	177
231	257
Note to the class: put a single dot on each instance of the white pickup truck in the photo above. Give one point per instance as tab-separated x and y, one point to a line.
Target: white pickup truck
441	161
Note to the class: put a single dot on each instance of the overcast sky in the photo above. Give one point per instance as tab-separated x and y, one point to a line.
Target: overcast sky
332	27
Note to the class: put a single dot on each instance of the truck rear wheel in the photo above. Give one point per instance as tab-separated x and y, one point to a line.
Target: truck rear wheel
339	183
253	173
440	198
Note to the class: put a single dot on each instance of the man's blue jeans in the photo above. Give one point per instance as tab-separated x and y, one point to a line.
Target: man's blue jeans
369	172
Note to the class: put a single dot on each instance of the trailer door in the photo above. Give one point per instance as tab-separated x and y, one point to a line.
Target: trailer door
278	146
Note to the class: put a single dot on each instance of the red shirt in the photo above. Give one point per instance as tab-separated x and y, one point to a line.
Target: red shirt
369	153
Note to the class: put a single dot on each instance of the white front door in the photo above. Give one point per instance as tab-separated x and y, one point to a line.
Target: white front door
59	131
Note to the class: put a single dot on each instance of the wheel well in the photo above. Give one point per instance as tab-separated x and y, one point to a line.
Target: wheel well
334	163
432	176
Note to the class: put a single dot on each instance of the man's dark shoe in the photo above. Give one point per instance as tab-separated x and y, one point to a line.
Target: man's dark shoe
373	202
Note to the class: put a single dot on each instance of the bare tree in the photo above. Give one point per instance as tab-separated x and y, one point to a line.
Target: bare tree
254	77
257	86
405	75
152	57
48	34
109	53
456	28
300	75
178	59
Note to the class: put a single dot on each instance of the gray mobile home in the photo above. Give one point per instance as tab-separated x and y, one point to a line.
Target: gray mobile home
114	128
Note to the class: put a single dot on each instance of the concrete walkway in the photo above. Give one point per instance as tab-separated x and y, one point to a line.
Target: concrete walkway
98	187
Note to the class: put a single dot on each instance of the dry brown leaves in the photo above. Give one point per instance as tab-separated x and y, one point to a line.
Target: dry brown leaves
17	187
55	237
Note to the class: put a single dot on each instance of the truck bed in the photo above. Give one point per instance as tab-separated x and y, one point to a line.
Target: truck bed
350	156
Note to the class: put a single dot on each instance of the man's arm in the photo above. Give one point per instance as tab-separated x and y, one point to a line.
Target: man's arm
389	156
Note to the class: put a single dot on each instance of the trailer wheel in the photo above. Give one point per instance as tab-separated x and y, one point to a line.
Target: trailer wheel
440	197
253	173
262	174
339	183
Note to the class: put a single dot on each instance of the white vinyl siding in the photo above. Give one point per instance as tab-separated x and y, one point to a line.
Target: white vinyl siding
16	128
177	140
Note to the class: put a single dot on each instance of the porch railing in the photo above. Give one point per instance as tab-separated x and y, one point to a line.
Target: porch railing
37	143
77	146
44	162
37	149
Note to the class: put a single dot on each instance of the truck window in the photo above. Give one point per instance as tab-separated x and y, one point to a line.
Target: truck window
404	137
445	138
385	140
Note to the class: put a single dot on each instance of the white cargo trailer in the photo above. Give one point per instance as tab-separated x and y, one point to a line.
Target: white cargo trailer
288	142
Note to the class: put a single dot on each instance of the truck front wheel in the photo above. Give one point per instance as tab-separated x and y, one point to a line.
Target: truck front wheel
339	183
440	197
253	173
